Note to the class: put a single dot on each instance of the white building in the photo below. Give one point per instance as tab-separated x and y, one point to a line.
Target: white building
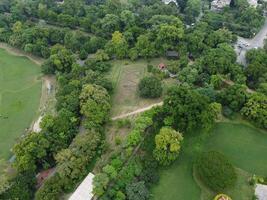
85	189
169	1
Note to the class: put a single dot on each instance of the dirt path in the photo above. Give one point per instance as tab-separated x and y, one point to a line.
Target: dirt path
137	111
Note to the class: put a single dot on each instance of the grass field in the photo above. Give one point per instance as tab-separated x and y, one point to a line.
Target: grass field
20	91
244	145
125	76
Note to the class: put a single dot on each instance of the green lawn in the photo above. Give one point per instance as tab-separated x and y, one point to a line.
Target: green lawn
20	91
125	76
244	145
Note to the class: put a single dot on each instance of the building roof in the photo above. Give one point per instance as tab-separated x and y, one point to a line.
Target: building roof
172	54
261	191
85	189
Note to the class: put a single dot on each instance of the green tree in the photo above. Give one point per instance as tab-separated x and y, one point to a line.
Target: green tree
95	105
137	191
30	151
234	96
255	109
100	183
150	87
168	145
117	46
145	47
187	110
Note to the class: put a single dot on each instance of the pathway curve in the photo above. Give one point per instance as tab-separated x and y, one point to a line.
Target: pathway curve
137	111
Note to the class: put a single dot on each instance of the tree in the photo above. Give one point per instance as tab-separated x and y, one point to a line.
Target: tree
145	47
168	145
168	37
192	10
234	96
256	71
216	171
216	81
21	187
137	191
95	104
187	110
109	24
150	87
255	109
100	183
117	46
30	151
219	60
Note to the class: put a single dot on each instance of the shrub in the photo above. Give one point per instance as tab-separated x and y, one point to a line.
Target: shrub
150	87
216	171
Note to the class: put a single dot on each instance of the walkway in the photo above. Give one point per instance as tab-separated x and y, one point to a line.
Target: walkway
137	111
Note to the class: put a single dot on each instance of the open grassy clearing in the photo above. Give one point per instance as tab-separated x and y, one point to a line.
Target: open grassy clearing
125	76
244	145
20	91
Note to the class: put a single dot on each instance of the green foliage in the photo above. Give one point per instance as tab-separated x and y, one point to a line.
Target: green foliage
168	145
22	187
150	87
137	191
234	96
256	71
117	46
95	105
216	171
255	109
30	152
216	81
100	183
187	110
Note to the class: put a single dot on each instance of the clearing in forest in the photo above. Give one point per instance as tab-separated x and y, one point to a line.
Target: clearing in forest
125	76
20	91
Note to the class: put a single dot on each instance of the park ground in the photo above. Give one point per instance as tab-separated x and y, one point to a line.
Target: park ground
244	145
20	92
125	76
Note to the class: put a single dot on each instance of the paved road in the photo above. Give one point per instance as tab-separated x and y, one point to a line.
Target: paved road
244	44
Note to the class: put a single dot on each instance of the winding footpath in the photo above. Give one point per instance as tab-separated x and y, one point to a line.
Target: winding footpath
141	110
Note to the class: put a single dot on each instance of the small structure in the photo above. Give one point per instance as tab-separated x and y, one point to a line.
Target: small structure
261	191
85	189
222	197
217	5
172	54
170	1
162	66
42	176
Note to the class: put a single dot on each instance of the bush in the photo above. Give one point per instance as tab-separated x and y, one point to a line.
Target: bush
150	87
216	171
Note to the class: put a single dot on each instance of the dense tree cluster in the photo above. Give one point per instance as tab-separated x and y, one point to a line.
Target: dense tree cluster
187	110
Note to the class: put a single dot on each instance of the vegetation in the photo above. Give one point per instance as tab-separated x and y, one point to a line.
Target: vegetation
167	145
150	87
216	171
81	41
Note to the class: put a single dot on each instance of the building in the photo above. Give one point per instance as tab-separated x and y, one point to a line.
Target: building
172	54
217	5
170	1
162	66
85	189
